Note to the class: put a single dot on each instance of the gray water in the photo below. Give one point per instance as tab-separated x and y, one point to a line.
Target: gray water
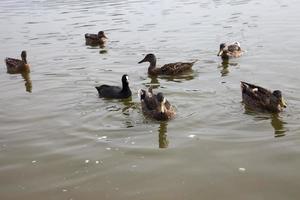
60	141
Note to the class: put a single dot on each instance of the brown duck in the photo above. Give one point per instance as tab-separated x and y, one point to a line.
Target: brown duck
156	106
230	51
167	69
15	66
95	39
261	99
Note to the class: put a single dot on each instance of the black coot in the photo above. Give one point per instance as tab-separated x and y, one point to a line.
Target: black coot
115	92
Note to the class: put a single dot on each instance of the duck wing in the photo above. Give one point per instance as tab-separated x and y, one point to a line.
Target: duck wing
91	36
14	65
12	62
168	105
175	68
150	101
233	47
256	94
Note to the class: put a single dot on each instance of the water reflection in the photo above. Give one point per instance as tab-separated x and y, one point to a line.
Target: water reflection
27	79
103	51
276	121
224	67
154	83
128	105
28	82
162	135
186	76
278	125
95	44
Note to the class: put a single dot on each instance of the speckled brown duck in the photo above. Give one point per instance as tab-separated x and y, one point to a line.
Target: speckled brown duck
15	66
156	106
167	69
227	51
95	39
261	99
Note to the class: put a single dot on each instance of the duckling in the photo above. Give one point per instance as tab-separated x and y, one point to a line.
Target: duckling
167	69
156	106
95	39
262	99
115	92
230	51
17	66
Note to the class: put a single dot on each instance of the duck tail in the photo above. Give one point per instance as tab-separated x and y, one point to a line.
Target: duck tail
245	86
195	60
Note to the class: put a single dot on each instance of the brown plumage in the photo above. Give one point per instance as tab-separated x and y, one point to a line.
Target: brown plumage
261	99
15	66
230	51
156	106
167	69
95	39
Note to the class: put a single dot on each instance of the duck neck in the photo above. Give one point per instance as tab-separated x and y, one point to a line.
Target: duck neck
24	60
152	66
125	86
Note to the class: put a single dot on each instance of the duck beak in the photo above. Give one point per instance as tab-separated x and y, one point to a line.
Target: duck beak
220	53
142	61
162	107
283	103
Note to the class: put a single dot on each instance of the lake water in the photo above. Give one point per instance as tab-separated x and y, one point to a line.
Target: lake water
60	141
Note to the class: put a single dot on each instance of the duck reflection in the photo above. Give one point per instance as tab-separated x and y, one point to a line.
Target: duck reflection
27	79
103	51
162	135
28	82
278	125
154	83
224	67
276	121
128	104
186	76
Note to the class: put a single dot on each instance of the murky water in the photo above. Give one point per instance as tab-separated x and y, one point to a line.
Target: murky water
60	141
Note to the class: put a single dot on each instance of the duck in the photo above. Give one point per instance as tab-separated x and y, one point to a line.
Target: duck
95	39
15	66
262	99
115	92
232	50
167	69
156	106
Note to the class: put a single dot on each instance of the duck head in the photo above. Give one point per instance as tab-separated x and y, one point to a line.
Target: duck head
125	80
141	94
149	58
162	100
237	44
281	101
24	56
222	48
101	35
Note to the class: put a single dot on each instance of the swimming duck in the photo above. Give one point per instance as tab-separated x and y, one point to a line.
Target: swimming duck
262	99
230	51
17	66
95	39
156	106
115	92
167	69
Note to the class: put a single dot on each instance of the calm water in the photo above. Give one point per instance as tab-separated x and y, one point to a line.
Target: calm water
62	142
